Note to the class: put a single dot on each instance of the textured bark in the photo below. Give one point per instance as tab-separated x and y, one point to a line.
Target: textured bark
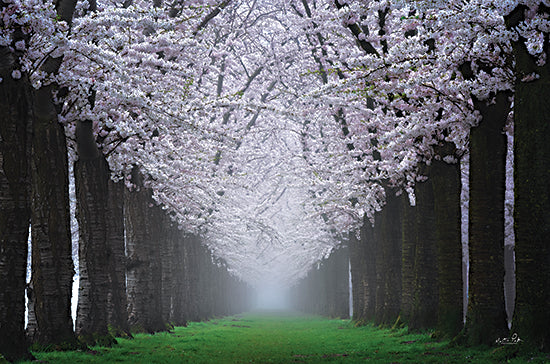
92	193
447	188
52	265
388	260
15	103
424	314
532	201
358	275
117	303
369	282
409	232
486	317
338	271
179	315
191	278
144	280
205	279
167	253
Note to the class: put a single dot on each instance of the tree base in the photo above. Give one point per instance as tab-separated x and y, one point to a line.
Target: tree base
97	340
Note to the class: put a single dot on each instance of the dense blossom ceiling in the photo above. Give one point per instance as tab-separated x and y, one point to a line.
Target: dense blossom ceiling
272	127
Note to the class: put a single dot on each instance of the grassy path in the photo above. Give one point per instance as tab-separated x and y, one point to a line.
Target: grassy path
281	338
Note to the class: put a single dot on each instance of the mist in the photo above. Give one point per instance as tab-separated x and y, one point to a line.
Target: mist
272	297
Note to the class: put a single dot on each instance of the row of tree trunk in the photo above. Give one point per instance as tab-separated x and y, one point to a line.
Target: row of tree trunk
325	290
138	272
407	265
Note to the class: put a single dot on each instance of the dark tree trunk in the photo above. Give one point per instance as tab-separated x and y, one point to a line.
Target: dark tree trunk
52	265
447	187
532	200
191	277
144	284
167	252
369	282
117	303
424	313
205	279
92	193
101	250
388	260
358	275
180	285
15	181
409	232
486	317
339	291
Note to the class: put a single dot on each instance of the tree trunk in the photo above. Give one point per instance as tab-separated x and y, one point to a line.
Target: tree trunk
340	289
117	303
388	260
168	264
424	314
92	193
15	181
191	277
447	187
205	279
486	317
532	201
369	283
52	265
358	276
144	283
409	232
180	309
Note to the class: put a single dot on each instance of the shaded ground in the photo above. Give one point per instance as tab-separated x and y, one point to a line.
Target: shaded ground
276	337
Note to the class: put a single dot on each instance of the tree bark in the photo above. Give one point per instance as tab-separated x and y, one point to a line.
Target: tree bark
340	290
15	182
144	284
167	236
425	299
447	187
358	275
409	232
191	277
52	265
92	191
532	200
179	308
387	232
486	317
117	303
369	283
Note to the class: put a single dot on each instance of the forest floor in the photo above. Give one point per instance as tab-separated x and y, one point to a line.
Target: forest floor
272	337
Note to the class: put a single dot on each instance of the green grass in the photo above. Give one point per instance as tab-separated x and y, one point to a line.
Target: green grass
285	338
